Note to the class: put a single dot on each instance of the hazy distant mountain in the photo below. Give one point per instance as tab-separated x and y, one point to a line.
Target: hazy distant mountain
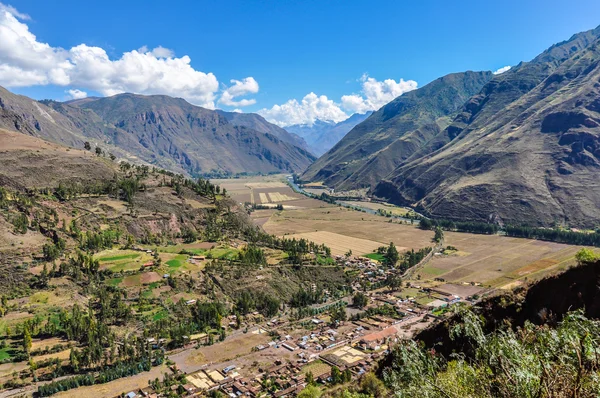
526	149
322	136
161	130
373	148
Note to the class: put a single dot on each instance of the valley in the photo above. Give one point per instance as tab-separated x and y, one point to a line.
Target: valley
169	235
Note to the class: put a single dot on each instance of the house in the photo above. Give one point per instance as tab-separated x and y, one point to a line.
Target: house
191	302
148	264
290	346
375	339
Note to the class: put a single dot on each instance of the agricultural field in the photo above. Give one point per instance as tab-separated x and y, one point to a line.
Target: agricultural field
267	190
490	260
497	261
338	243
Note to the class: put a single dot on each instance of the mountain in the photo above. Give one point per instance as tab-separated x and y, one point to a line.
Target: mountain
373	148
258	123
525	150
321	136
160	130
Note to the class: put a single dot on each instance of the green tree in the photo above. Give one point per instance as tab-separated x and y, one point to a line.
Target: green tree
392	255
26	340
586	256
439	234
360	300
87	146
310	391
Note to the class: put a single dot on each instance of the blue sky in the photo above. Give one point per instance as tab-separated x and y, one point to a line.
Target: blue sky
284	49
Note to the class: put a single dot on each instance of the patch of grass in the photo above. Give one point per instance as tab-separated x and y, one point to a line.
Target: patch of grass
39	297
321	260
176	262
376	257
119	257
224	253
4	354
114	281
162	314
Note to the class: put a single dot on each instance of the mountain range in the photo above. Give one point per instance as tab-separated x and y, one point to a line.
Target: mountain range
522	148
321	136
160	130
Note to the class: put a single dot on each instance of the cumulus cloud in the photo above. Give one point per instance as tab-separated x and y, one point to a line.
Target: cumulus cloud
25	61
76	94
239	88
374	94
502	70
306	111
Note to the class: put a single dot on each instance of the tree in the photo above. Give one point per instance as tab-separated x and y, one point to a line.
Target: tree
338	315
360	300
348	253
392	255
310	391
112	157
439	235
371	385
336	375
87	146
98	151
26	340
394	282
586	256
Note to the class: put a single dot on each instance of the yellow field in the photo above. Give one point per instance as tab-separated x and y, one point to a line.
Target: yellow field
266	184
279	197
263	197
340	244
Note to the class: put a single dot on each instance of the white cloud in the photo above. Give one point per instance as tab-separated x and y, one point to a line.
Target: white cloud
239	88
374	94
307	111
76	94
501	70
161	52
25	61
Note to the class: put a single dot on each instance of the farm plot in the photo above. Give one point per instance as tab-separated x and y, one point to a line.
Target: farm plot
122	260
340	244
496	260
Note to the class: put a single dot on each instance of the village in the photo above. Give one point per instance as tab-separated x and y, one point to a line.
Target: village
289	354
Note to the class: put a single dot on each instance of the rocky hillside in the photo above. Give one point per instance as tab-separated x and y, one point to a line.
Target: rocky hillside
322	136
391	135
256	122
526	149
159	130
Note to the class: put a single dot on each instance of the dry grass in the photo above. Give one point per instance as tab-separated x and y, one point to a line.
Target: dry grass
116	387
340	244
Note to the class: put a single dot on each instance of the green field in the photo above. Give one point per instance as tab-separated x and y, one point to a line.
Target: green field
177	262
114	281
376	257
110	259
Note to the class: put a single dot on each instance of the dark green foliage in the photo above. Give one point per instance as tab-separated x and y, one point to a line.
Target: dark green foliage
21	223
360	300
555	235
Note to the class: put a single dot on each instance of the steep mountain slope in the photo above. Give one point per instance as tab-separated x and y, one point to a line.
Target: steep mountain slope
196	139
322	136
258	123
160	130
524	150
389	136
